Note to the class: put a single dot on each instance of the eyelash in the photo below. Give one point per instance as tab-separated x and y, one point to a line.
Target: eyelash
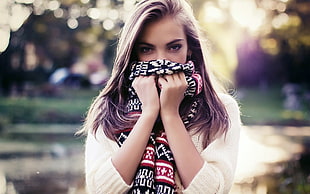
172	48
175	47
145	50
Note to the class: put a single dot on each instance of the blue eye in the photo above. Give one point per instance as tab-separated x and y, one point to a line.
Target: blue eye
175	47
145	50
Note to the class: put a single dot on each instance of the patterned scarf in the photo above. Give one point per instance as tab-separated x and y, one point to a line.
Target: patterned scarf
156	171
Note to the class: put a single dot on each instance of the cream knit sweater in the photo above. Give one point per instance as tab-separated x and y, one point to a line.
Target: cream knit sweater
216	175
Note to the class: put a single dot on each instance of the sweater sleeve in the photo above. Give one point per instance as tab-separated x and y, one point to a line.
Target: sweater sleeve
101	175
217	173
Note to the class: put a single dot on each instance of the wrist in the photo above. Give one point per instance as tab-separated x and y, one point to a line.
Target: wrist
151	113
169	111
169	115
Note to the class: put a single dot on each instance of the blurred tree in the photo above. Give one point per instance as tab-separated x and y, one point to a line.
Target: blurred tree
48	34
285	42
57	34
293	39
261	42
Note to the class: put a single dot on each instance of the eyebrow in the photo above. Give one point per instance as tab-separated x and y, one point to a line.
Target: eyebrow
175	41
144	43
169	43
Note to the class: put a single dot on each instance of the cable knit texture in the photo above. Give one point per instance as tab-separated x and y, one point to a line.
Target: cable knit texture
216	175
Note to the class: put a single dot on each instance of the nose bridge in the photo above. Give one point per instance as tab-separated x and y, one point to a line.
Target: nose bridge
161	54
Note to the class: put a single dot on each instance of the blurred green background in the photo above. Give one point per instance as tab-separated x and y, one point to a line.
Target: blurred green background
56	55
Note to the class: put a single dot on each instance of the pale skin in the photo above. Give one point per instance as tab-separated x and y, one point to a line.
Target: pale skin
172	46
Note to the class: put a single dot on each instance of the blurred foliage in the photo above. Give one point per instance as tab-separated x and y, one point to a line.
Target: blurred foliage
60	33
259	42
4	121
70	107
267	38
265	107
292	178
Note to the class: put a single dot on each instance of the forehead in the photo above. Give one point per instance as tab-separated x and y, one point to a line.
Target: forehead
162	30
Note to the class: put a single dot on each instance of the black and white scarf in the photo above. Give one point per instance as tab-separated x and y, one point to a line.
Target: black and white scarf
156	171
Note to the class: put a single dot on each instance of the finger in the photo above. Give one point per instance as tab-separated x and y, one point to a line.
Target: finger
162	82
176	78
170	78
141	81
182	77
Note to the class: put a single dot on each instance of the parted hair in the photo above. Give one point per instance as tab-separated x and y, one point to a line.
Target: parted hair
108	111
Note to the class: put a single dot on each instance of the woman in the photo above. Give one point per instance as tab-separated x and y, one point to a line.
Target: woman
160	125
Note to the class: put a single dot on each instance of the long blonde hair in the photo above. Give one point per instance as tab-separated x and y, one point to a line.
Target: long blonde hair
108	111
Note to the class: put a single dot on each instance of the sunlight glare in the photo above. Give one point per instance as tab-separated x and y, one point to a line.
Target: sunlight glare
5	38
223	3
213	14
20	14
246	13
257	151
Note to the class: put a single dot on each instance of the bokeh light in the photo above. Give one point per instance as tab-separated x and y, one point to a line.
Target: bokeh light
5	38
53	5
261	43
247	14
108	24
72	23
19	14
101	12
93	13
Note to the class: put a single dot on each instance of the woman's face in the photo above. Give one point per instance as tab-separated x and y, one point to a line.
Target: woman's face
163	39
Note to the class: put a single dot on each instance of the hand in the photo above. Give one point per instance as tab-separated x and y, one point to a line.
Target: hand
145	88
173	88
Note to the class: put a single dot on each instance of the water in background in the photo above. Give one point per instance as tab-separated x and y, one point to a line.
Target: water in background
270	159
